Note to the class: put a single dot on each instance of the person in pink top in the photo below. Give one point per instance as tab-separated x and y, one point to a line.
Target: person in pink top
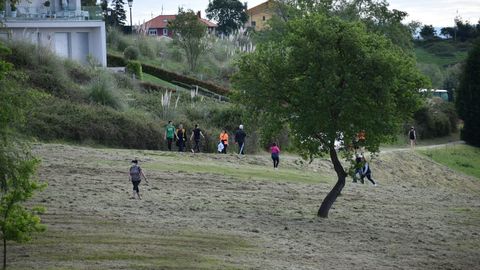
275	155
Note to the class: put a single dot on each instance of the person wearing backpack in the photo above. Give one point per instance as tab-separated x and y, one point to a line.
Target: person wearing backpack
412	135
136	174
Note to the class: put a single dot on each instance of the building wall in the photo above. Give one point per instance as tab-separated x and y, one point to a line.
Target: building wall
73	40
259	19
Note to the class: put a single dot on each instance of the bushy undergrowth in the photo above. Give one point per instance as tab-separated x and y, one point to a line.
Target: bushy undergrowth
102	91
46	71
436	119
215	65
54	119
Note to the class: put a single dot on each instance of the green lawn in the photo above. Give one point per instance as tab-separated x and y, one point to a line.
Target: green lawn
463	158
237	171
152	79
423	56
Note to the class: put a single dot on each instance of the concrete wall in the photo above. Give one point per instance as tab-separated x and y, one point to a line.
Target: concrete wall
71	39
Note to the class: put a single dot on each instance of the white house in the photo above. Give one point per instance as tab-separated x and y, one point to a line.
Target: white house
70	30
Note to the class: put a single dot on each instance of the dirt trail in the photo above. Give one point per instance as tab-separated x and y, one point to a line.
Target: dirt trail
421	216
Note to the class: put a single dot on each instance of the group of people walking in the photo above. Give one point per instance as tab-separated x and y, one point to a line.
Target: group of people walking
179	136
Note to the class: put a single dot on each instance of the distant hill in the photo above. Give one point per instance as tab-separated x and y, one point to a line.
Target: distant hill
441	52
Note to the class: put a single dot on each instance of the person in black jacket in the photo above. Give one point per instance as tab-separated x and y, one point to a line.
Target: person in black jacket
240	140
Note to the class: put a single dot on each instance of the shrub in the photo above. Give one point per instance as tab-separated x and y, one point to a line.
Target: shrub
78	73
176	55
436	119
135	67
44	70
146	47
56	119
101	91
131	53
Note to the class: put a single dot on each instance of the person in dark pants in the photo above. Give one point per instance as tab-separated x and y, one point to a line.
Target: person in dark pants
169	134
412	135
275	150
196	134
366	172
136	174
224	140
240	140
181	136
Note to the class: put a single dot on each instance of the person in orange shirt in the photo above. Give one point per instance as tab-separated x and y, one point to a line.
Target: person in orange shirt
360	141
224	140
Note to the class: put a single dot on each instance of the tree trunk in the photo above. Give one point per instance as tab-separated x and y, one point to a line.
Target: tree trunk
333	194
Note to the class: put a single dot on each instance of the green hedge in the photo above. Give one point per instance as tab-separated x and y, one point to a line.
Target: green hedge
135	67
169	76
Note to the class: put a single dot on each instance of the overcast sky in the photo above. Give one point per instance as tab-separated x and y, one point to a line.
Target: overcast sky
439	13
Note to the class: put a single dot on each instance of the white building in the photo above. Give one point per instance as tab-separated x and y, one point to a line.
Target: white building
64	26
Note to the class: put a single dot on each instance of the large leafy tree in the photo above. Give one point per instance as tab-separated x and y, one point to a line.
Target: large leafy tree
375	14
327	79
190	34
17	222
428	32
230	15
468	97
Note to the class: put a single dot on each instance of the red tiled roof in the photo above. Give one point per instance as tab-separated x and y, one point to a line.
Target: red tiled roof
208	23
161	21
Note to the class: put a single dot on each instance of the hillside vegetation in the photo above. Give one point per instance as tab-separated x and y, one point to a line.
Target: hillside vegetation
90	105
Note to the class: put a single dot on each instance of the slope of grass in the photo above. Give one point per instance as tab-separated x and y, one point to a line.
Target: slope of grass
152	79
463	158
123	246
424	56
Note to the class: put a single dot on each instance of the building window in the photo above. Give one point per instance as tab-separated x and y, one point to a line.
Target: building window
263	18
254	23
152	32
165	31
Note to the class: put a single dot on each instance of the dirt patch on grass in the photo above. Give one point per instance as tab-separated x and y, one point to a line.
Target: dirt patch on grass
202	212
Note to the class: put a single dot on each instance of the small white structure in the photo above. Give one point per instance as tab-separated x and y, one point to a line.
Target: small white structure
63	26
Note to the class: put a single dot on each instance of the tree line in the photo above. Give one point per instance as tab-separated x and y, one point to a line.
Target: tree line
461	31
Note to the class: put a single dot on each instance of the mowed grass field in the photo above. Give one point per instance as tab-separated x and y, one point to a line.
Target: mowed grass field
212	211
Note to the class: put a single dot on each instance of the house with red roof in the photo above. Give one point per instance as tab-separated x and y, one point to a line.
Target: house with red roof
158	26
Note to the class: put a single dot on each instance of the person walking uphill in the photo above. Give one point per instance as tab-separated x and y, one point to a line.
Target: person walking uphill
224	140
169	134
181	136
196	133
136	174
275	150
240	140
412	135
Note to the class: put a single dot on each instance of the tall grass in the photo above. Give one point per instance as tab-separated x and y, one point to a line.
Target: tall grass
102	91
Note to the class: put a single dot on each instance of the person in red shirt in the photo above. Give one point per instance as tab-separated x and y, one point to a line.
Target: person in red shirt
275	155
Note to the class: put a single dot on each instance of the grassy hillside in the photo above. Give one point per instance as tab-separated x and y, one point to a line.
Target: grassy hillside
208	211
216	64
85	104
462	158
440	60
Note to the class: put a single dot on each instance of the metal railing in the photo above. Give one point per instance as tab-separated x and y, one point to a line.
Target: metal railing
28	12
